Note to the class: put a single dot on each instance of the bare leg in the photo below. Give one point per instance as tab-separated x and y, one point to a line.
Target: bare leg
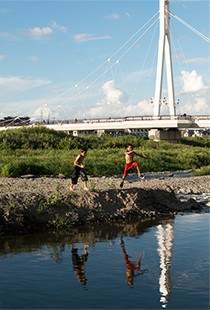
139	173
122	181
139	261
72	187
85	248
85	186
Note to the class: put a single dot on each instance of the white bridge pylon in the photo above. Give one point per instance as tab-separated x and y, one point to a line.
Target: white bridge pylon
164	49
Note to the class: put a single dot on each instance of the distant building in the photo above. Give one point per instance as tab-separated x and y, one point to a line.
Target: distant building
14	121
187	133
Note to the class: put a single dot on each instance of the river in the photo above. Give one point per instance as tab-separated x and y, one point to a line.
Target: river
137	265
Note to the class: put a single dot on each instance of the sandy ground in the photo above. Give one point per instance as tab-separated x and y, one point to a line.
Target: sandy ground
36	203
180	181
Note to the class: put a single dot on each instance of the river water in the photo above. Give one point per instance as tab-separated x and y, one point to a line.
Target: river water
137	265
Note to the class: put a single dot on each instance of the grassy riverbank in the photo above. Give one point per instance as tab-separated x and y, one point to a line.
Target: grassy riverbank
40	151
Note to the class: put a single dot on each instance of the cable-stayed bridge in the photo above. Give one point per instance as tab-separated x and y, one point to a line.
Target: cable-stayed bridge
156	121
133	122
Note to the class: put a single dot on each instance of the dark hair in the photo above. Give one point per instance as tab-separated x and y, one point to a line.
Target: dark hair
84	150
129	144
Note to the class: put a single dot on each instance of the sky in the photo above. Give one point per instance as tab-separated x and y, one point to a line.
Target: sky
82	59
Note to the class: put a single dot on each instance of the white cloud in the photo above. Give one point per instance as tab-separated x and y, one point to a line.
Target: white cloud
184	6
44	112
115	104
85	37
7	36
135	76
192	82
56	26
110	104
128	14
197	61
37	33
15	85
2	57
196	101
33	58
113	16
197	106
35	108
113	95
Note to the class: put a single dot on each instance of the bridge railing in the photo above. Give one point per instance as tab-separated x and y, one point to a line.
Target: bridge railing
105	120
128	118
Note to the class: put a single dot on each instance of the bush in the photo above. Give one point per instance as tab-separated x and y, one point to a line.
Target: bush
21	168
195	141
42	151
203	171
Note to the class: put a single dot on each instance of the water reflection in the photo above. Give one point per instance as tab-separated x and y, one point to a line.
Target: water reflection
133	268
74	276
79	263
56	252
165	242
55	242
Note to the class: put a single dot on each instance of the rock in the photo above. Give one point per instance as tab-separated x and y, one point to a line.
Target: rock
170	175
193	204
28	176
61	176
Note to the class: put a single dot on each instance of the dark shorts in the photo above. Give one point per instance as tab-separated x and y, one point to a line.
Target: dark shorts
76	172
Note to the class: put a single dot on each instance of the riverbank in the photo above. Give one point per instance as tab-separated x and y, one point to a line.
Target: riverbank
31	203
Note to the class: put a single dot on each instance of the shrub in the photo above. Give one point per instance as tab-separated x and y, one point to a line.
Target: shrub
203	171
19	168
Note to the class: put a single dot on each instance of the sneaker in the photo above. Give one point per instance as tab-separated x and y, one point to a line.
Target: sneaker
121	184
141	177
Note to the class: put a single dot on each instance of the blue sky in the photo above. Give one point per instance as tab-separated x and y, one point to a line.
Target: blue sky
48	47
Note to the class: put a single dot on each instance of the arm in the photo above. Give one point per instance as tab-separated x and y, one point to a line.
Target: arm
129	152
139	261
77	163
140	155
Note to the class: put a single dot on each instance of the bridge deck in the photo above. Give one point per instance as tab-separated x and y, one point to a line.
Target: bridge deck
134	122
131	122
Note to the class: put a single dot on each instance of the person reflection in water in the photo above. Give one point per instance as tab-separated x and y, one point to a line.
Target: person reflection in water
79	263
133	268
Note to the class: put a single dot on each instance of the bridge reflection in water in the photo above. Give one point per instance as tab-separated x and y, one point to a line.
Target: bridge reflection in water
165	242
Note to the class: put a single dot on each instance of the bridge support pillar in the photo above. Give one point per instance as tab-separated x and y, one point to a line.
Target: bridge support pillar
170	135
100	132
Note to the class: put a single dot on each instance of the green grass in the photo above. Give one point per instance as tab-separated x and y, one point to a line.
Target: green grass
41	151
203	171
100	162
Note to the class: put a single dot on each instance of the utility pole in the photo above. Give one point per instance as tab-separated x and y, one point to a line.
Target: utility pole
164	49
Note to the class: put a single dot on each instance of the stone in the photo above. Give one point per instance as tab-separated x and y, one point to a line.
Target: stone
28	176
61	176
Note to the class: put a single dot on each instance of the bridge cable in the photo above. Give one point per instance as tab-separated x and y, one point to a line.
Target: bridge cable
79	93
95	70
137	40
144	61
111	66
177	58
190	27
122	77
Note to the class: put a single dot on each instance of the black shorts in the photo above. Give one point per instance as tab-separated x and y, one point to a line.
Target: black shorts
76	172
